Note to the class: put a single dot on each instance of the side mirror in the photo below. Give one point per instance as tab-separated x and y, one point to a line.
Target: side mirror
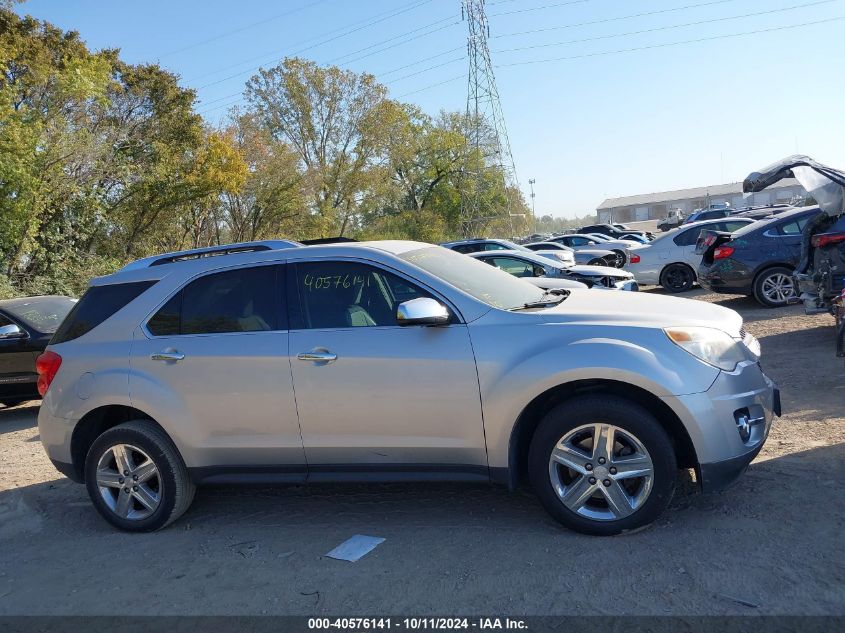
422	311
11	331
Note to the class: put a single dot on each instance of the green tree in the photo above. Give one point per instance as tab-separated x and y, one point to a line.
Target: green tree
334	120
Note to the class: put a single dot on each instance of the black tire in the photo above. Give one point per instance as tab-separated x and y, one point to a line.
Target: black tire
760	292
622	258
677	278
176	490
597	261
629	417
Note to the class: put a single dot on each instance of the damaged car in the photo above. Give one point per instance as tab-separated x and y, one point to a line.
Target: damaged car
819	275
531	265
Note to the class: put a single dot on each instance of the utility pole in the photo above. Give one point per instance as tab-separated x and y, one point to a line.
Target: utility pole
531	182
487	132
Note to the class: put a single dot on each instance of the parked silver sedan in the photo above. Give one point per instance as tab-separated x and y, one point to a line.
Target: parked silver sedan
670	259
528	265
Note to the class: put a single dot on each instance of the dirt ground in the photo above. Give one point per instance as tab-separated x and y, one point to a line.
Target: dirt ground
773	544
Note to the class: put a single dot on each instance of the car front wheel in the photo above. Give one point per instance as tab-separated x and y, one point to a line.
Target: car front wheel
602	465
136	477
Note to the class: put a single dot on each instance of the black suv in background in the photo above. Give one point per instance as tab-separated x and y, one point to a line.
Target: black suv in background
612	230
757	260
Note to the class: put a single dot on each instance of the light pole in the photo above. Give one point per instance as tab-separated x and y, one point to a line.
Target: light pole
531	182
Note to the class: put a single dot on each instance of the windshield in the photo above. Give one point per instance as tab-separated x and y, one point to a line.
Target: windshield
44	314
514	246
482	281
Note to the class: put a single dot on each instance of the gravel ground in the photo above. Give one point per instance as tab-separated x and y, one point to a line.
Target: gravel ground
770	545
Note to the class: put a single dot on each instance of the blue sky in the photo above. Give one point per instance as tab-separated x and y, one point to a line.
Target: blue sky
592	124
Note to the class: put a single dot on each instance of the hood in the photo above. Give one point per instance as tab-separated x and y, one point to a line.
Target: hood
825	184
599	271
642	309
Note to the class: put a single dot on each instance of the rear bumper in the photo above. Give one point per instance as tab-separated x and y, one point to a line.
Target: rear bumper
733	279
67	470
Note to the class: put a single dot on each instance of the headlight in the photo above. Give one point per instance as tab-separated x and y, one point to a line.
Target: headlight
713	346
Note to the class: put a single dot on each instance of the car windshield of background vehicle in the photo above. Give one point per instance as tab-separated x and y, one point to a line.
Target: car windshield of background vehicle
43	315
482	281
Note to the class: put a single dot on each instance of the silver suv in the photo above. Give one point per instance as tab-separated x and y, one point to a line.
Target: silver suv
392	361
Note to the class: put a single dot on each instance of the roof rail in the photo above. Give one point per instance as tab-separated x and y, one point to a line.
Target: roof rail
211	251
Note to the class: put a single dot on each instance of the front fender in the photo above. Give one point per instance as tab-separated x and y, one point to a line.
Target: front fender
551	355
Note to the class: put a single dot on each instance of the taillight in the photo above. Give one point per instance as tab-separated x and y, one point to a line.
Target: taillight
634	259
820	241
722	252
47	364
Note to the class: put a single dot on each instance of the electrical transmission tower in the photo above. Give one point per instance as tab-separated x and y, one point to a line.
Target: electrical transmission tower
487	132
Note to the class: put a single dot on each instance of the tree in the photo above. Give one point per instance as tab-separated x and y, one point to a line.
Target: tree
333	119
98	159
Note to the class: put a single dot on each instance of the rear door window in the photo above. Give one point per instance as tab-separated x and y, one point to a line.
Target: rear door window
688	237
95	306
793	228
241	300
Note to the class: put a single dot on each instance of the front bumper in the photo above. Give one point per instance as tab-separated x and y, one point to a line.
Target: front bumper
729	423
721	475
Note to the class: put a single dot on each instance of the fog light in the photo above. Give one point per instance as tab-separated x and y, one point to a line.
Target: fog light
744	427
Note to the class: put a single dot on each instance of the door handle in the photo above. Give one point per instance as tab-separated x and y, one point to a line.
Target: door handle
317	356
174	356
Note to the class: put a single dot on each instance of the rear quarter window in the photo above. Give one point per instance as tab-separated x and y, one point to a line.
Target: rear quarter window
96	305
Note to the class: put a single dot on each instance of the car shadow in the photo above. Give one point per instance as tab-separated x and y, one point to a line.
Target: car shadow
19	417
773	493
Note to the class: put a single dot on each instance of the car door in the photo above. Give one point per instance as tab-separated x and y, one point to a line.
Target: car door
374	396
17	359
215	359
788	237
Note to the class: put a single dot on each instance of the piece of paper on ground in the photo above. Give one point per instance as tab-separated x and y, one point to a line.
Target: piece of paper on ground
355	548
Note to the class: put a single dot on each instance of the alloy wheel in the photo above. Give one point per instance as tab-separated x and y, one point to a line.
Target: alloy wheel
601	472
778	288
129	482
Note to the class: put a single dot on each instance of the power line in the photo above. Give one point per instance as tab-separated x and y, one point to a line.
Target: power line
346	59
667	28
401	35
243	28
419	61
343	31
439	83
668	44
616	19
573	57
546	6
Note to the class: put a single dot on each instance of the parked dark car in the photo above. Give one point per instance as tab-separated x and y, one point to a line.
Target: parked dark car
763	211
707	214
820	274
612	231
26	326
757	260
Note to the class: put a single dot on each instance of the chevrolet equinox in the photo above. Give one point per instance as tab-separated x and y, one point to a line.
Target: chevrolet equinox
392	361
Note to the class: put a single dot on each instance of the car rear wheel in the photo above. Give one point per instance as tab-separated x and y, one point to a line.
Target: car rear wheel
136	477
621	258
602	465
774	287
677	278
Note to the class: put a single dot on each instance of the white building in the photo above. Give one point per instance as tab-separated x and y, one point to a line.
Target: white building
653	206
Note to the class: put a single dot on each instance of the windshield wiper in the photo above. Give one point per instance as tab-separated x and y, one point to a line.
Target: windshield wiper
550	298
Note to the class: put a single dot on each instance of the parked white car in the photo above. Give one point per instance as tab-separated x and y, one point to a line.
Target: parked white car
581	241
670	260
